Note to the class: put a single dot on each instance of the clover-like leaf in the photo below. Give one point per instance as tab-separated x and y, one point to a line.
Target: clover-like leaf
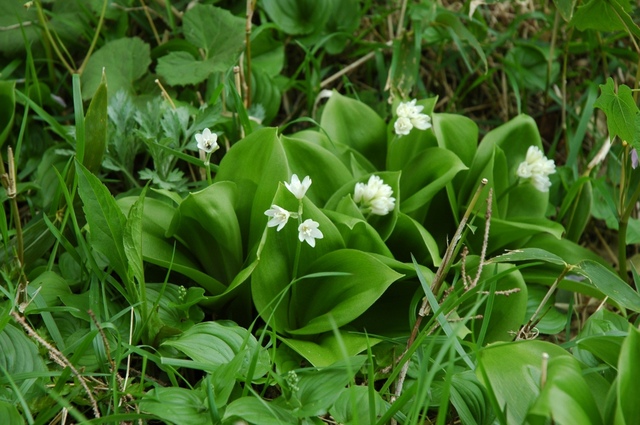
620	109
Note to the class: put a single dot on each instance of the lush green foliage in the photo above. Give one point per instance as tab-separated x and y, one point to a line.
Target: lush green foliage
337	251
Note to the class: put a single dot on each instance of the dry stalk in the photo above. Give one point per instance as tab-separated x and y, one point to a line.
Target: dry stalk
60	359
438	280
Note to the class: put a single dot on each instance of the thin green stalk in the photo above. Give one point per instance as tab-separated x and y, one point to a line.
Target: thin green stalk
52	42
103	12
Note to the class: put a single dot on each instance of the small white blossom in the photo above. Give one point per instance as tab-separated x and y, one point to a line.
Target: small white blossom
409	116
421	122
538	168
207	141
402	126
308	232
299	189
279	217
376	196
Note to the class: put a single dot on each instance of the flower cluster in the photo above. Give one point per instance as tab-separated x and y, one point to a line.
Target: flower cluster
375	196
307	230
537	167
207	141
409	116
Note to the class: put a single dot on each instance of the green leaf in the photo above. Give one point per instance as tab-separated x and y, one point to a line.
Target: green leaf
528	254
628	408
600	15
320	304
457	134
515	386
10	414
469	398
409	238
19	353
215	30
353	406
565	7
610	284
553	321
461	32
179	406
206	223
106	220
124	61
133	238
353	123
565	397
620	109
217	343
297	17
257	411
319	389
426	175
15	37
326	349
7	108
95	128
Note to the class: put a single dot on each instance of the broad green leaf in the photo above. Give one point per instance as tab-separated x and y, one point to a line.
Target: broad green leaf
620	109
48	286
425	175
176	306
566	397
275	269
358	234
258	411
410	238
326	349
206	223
353	406
179	406
10	414
528	66
106	220
610	284
217	343
517	230
353	123
605	347
319	389
343	21
600	15
265	94
320	304
7	108
457	134
405	64
95	128
167	252
19	353
628	408
576	208
181	68
517	386
124	61
298	16
565	7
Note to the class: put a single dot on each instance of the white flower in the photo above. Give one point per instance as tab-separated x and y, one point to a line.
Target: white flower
375	196
308	231
207	141
421	122
298	188
410	115
402	126
279	217
538	168
409	109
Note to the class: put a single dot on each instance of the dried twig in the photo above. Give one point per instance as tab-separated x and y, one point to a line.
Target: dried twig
59	358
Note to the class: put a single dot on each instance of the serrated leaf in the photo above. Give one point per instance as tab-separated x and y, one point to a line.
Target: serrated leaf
106	220
621	110
124	60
